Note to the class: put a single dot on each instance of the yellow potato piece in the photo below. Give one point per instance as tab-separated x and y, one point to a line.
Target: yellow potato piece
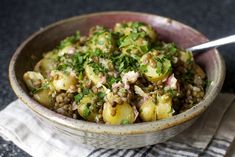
30	77
151	71
127	28
164	107
150	32
101	39
151	111
43	97
148	111
186	56
153	76
95	78
120	114
62	81
84	108
45	66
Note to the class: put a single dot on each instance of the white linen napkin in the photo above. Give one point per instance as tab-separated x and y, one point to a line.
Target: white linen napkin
211	135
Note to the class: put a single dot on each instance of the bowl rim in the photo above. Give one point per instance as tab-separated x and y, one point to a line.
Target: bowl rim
130	129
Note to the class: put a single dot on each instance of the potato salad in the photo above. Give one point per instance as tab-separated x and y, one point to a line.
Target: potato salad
122	75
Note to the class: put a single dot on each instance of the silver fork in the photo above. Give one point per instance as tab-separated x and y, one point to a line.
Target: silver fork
214	43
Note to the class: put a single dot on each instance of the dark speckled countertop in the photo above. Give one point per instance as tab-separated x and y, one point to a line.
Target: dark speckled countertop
18	19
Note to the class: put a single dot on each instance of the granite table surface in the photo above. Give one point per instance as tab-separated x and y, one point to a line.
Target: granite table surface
20	18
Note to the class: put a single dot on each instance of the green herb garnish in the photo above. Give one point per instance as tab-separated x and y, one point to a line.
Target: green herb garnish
79	60
98	67
69	40
111	80
86	91
143	68
125	63
101	95
125	122
79	96
44	86
159	68
86	111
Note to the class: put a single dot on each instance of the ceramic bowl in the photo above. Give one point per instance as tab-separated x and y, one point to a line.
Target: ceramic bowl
114	136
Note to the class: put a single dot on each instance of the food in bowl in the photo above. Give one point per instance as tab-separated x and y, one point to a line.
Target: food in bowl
120	76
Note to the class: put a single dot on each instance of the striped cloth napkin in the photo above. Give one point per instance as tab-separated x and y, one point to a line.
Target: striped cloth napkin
211	135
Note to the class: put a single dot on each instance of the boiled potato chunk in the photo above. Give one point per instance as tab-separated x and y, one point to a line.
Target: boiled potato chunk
95	78
87	108
135	27
138	46
186	57
101	39
66	50
149	31
36	83
33	79
164	107
45	66
122	29
120	114
156	68
52	54
135	38
63	81
148	110
44	97
151	110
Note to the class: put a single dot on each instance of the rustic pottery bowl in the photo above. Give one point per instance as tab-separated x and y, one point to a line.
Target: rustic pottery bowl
118	136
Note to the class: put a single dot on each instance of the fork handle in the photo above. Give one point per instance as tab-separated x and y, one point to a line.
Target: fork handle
212	44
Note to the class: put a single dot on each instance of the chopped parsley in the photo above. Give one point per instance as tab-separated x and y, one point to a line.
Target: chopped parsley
190	58
79	96
44	86
64	62
101	95
98	53
168	49
62	67
171	91
98	67
125	121
86	91
125	63
143	68
163	65
111	80
69	40
86	111
159	68
130	41
144	48
136	25
79	60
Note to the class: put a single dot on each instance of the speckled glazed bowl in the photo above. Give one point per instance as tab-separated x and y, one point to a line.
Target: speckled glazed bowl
118	136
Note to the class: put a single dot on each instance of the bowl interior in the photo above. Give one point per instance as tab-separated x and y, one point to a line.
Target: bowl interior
30	52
